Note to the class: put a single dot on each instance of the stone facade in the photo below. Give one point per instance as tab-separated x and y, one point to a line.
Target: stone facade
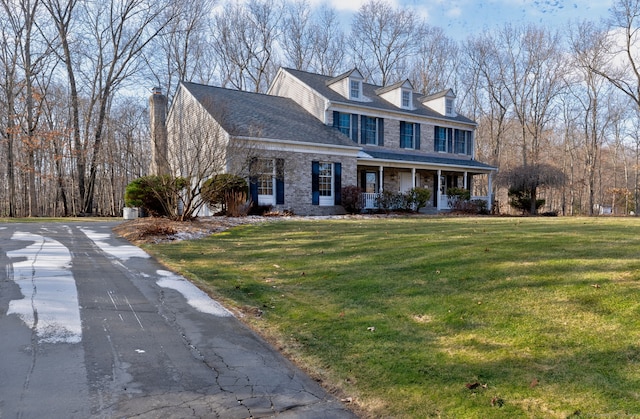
297	180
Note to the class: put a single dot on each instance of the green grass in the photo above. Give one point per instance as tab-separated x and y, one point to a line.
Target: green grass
543	313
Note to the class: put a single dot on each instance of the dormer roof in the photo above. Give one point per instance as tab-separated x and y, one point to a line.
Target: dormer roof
401	84
352	74
439	102
399	94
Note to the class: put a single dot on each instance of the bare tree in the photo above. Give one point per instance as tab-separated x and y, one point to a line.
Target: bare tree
532	71
244	43
118	33
383	39
298	36
9	86
182	52
434	66
592	95
329	52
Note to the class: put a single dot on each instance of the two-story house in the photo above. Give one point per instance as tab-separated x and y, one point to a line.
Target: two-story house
312	134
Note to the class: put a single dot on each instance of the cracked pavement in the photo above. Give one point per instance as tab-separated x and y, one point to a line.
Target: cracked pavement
91	326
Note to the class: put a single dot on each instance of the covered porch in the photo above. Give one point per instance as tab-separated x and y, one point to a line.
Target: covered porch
380	171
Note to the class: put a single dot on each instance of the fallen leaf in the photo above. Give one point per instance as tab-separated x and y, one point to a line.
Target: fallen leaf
472	386
596	285
371	329
534	382
347	400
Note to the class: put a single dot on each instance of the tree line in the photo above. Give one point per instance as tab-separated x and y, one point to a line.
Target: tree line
75	76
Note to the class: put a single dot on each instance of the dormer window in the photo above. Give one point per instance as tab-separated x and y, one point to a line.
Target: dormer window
355	88
406	99
448	106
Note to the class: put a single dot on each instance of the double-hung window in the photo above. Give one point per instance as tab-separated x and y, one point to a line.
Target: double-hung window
409	135
343	123
460	141
448	104
406	99
441	139
354	89
369	130
266	181
326	183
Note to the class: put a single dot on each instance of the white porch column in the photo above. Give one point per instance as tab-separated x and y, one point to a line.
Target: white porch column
413	177
464	181
490	191
439	189
381	169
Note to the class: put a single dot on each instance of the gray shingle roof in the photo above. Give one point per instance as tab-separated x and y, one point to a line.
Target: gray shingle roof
415	157
264	116
319	84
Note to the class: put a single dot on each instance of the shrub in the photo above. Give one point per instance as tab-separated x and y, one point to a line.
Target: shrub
458	199
157	195
521	199
226	190
418	198
388	201
352	199
481	206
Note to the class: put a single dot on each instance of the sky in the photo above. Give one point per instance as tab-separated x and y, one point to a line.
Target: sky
461	18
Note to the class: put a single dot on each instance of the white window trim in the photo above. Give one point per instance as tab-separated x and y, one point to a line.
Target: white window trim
448	106
269	199
326	201
351	90
413	137
410	104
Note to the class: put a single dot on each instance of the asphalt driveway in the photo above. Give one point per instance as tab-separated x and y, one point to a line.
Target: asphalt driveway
91	326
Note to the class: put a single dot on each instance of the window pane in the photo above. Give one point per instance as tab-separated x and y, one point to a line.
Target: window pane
325	179
460	146
344	123
441	139
355	89
406	135
370	186
265	177
369	130
406	99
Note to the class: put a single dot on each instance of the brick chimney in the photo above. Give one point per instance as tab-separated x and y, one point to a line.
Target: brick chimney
158	118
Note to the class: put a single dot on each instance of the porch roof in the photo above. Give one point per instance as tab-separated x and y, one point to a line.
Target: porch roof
389	156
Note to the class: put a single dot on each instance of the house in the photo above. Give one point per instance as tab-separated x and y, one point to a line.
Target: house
312	134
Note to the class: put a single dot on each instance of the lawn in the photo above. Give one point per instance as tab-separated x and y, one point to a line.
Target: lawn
442	317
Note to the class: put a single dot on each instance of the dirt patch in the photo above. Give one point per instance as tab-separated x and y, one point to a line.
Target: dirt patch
161	230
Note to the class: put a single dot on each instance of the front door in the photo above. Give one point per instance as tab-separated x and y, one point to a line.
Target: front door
406	182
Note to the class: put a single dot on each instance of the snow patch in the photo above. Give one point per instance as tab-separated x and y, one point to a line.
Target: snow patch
124	252
50	304
195	296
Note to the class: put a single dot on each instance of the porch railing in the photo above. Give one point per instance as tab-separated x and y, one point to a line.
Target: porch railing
369	201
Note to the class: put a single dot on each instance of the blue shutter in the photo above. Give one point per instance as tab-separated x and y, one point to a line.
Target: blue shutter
470	143
336	115
315	183
380	132
435	138
337	183
279	181
362	126
253	181
416	131
449	140
402	134
354	127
